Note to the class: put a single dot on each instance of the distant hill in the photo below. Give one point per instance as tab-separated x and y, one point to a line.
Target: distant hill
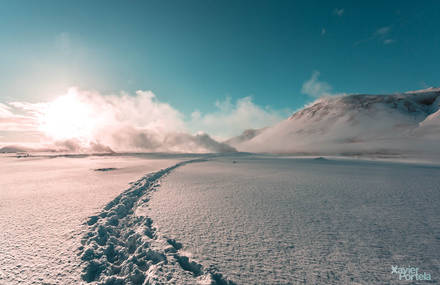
245	136
18	148
395	123
12	149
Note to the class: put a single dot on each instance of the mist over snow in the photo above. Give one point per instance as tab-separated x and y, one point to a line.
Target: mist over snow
231	119
316	88
87	121
406	123
82	121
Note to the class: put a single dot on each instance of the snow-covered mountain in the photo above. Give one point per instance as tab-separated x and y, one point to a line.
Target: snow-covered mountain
388	124
245	136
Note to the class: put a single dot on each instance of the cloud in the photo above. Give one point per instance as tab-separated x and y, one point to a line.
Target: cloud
338	12
388	41
381	34
11	119
5	111
83	121
383	31
316	88
231	119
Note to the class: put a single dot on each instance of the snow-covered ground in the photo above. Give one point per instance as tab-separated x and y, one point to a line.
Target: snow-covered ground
279	221
215	219
43	205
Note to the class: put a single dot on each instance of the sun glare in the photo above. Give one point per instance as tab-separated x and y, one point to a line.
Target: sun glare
67	117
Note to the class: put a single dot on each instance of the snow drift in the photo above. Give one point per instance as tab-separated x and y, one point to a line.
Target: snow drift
355	124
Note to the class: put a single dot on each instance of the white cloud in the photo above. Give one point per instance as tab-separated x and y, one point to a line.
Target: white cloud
338	12
5	111
231	119
381	34
383	31
316	88
89	121
388	41
82	120
14	119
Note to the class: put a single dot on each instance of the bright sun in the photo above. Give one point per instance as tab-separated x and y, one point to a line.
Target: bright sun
67	117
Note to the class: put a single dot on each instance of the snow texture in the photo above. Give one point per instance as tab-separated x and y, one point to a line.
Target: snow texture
277	220
257	219
43	204
123	247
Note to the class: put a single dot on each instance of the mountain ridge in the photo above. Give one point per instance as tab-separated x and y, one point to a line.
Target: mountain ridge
389	123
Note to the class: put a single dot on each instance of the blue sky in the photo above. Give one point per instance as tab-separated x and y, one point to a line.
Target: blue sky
194	53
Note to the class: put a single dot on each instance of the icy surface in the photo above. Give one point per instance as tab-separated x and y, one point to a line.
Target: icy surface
311	221
43	205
